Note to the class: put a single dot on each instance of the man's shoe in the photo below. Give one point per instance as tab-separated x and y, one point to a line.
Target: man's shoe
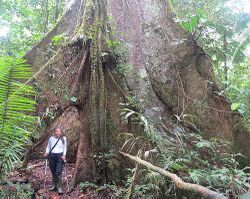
52	188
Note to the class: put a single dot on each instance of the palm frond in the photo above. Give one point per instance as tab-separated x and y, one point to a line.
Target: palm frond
16	106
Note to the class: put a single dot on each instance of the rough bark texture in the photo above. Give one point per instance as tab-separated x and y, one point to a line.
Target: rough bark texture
166	58
171	77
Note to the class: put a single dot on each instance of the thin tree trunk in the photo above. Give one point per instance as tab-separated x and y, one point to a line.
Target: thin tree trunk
57	10
130	191
46	12
225	60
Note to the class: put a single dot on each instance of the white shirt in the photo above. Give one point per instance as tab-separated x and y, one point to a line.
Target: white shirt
60	146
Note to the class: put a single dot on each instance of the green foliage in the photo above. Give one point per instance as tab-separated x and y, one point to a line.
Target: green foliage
150	184
87	185
192	21
104	157
235	106
119	51
224	179
109	162
16	106
113	190
238	89
209	22
223	32
194	159
22	191
28	21
58	39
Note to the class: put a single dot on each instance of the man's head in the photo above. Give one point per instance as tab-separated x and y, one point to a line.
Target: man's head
58	132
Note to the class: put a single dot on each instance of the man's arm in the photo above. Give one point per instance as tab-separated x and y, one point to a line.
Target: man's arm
48	147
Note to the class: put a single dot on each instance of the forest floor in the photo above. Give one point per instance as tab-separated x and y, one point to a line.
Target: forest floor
35	175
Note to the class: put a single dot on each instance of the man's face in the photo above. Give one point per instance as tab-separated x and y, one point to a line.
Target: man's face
58	132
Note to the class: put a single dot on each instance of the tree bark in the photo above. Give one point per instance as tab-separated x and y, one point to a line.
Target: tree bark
225	59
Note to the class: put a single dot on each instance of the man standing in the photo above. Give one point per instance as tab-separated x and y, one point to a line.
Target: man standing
56	152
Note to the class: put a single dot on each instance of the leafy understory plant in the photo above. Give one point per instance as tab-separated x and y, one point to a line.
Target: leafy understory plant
223	32
112	189
18	190
16	106
206	162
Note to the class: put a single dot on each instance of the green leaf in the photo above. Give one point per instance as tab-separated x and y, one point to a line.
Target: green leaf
73	99
235	106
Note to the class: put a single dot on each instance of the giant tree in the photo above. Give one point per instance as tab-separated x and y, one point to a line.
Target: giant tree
114	51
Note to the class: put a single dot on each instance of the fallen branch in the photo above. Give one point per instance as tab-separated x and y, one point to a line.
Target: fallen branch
35	166
180	184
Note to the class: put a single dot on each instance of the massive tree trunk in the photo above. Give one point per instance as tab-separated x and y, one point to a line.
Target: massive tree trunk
80	87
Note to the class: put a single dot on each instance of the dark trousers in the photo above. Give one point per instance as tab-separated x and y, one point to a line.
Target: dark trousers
56	163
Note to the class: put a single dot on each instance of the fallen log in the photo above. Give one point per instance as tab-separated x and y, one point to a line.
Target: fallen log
180	184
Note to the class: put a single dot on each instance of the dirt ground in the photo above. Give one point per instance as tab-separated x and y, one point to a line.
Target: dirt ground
35	174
